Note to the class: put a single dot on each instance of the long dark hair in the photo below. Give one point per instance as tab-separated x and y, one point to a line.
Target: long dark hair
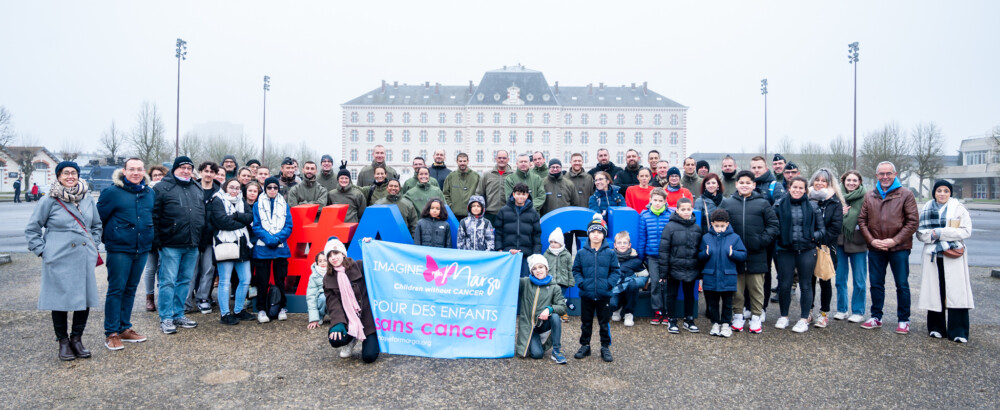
442	216
712	175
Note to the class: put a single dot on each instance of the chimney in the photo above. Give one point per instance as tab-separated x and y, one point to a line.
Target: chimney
437	88
633	86
557	88
395	84
590	89
602	87
383	86
645	89
471	90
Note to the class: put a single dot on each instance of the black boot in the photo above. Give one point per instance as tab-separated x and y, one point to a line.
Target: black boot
583	352
65	352
606	354
77	346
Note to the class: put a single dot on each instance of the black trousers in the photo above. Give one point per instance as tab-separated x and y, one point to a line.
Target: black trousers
59	322
369	347
949	322
825	288
712	302
588	309
688	288
262	275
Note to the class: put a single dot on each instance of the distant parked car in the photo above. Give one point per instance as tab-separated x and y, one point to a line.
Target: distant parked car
98	177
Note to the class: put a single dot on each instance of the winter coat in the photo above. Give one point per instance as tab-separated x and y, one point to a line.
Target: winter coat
307	192
679	245
753	219
596	272
728	184
610	168
367	175
491	187
439	173
833	219
412	182
327	180
335	306
958	286
584	184
772	190
432	232
475	233
632	265
692	183
650	228
706	206
457	188
542	171
421	194
219	221
560	267
375	191
894	217
535	187
719	273
559	193
127	216
811	235
353	197
206	233
673	197
637	197
517	227
600	201
286	184
313	290
857	242
261	251
178	213
625	178
406	209
533	299
68	253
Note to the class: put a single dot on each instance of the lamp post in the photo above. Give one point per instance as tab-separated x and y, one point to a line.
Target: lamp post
852	58
181	54
263	137
763	91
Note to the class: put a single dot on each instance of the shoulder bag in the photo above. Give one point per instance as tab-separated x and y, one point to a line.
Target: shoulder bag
100	260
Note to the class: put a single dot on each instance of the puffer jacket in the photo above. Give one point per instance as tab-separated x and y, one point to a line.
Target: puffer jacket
810	236
475	233
584	184
650	228
535	186
178	213
432	232
352	196
894	217
631	265
600	201
220	221
313	290
719	273
833	218
517	227
753	219
706	206
439	173
769	188
596	271
491	187
421	194
626	177
457	188
560	267
406	209
559	193
127	216
679	246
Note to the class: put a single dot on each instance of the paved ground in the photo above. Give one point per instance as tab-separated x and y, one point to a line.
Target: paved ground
284	364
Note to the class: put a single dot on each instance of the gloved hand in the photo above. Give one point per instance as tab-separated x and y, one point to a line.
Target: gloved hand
337	331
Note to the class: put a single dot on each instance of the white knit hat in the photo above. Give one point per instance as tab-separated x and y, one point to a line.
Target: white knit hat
334	244
536	260
557	236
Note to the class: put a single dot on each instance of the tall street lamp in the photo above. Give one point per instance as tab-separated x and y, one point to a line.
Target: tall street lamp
181	54
263	137
763	91
852	58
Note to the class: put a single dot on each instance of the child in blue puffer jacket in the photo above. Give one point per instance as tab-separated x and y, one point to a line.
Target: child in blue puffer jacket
651	224
722	249
596	271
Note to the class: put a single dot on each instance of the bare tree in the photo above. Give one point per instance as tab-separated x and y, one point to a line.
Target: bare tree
147	139
304	153
785	147
6	127
71	150
24	156
885	144
811	157
841	157
113	143
993	136
928	148
192	146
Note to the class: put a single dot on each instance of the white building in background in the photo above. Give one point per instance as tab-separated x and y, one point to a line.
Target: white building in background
515	109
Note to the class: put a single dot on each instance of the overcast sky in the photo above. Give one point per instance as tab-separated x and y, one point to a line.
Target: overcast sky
67	69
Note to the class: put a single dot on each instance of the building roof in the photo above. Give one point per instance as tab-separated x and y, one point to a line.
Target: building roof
423	94
14	152
514	85
604	96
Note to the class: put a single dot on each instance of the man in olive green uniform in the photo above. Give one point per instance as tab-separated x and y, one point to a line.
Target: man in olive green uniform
525	176
459	186
406	209
491	185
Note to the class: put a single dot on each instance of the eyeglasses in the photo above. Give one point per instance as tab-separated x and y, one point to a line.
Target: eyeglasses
272	188
885	174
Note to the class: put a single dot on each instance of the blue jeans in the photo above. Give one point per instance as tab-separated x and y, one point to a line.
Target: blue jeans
535	347
242	272
858	270
124	273
176	269
878	261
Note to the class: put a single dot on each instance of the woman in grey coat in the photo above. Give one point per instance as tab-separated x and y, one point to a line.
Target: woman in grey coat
68	248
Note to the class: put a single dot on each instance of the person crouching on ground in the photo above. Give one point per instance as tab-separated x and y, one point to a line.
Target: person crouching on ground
315	298
634	277
560	262
347	304
541	304
595	270
679	263
432	228
721	248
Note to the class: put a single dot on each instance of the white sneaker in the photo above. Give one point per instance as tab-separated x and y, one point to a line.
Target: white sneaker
763	317
345	351
283	314
726	331
840	316
935	334
755	325
629	320
801	326
617	316
781	323
960	340
747	313
821	321
262	317
738	323
856	319
715	329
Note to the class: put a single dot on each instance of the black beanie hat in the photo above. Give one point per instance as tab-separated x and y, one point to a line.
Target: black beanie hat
673	171
555	161
938	183
271	180
343	173
703	164
182	160
253	161
65	164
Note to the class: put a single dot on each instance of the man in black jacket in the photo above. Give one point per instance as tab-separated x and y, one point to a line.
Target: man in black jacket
629	175
178	219
200	293
604	164
517	227
439	170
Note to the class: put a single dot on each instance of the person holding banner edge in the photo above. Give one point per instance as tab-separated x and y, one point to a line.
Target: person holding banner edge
347	304
542	303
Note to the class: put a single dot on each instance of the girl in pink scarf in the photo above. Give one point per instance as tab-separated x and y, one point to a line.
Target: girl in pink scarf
347	304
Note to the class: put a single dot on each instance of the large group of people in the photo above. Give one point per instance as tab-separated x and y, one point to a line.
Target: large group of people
187	230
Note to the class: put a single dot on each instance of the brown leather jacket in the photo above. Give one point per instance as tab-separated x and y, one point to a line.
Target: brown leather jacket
895	217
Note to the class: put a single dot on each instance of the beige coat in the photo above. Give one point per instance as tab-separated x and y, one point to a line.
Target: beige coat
956	271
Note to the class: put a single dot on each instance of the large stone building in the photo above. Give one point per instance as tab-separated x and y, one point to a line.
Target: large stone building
515	109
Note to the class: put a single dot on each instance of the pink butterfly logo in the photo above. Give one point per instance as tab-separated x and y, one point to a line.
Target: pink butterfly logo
437	275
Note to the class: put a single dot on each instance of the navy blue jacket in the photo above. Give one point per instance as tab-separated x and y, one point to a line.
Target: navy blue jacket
596	272
600	201
631	265
127	216
719	274
261	250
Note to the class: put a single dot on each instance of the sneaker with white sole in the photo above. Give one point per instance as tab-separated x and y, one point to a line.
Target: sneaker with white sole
617	316
715	330
822	321
755	325
935	334
167	327
871	323
690	326
726	331
855	318
801	326
346	350
781	323
629	320
903	328
747	313
186	323
738	323
262	317
283	314
205	307
763	316
960	340
840	316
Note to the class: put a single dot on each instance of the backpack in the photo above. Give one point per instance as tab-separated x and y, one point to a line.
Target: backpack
273	302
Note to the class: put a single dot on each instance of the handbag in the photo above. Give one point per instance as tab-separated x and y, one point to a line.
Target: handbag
824	264
226	251
100	260
954	253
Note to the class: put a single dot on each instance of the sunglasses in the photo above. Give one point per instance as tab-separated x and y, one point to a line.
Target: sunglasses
272	188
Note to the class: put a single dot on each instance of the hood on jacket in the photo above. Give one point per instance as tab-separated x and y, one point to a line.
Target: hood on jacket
476	199
729	231
676	217
118	178
767	178
510	201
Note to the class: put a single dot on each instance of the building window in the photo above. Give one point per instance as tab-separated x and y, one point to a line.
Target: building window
480	137
354	174
480	118
673	119
604	119
566	157
354	155
442	118
406	135
621	119
996	188
388	118
638	119
442	136
458	137
546	154
980	188
406	118
388	135
602	138
975	157
496	118
529	137
423	118
479	157
423	136
529	118
370	117
406	155
354	117
458	118
584	137
586	155
638	138
354	135
513	137
513	118
388	155
673	157
369	155
620	157
545	137
568	138
657	119
621	139
423	154
568	119
545	118
584	119
496	137
370	136
673	141
657	138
